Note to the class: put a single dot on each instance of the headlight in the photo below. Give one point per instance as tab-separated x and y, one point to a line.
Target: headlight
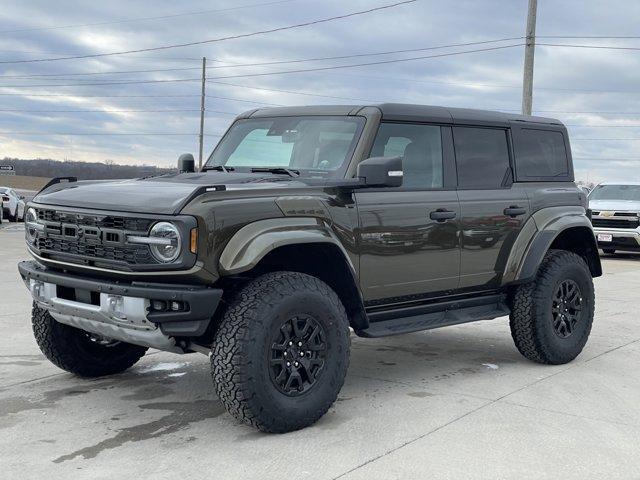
31	225
168	243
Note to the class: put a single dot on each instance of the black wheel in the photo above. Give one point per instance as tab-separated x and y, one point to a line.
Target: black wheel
80	352
609	251
281	352
551	317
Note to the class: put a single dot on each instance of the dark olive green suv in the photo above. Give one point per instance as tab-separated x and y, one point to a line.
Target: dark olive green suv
305	223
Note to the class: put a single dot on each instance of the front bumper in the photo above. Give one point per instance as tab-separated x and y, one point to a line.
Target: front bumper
122	310
623	239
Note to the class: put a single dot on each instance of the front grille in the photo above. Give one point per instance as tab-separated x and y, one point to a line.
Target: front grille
613	223
98	240
101	221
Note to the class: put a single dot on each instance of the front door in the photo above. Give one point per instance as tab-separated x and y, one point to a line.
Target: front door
408	236
493	208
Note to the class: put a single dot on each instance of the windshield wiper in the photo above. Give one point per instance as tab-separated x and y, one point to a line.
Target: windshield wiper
219	168
277	170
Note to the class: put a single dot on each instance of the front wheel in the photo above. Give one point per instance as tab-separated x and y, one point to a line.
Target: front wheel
281	352
551	317
80	352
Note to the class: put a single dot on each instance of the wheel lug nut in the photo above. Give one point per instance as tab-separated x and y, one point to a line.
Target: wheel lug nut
285	354
295	364
302	354
290	343
299	344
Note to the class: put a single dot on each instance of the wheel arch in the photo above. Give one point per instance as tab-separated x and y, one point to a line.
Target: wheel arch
552	228
301	244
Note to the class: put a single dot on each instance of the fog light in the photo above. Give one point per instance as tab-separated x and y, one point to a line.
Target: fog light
115	306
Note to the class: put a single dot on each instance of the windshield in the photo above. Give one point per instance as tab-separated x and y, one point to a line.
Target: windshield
616	192
310	145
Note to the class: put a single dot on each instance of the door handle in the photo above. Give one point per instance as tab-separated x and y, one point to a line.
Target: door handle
442	215
514	211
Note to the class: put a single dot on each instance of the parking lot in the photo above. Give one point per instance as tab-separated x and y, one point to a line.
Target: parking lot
458	402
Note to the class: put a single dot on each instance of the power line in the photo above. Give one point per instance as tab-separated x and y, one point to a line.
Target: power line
145	19
248	75
603	47
137	96
621	37
220	39
168	110
91	134
260	64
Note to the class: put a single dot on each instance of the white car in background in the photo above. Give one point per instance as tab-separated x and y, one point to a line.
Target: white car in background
12	205
615	215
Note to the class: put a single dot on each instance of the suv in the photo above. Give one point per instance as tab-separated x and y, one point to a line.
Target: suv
615	214
306	222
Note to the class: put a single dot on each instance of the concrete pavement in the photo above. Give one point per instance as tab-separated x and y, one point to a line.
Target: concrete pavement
459	402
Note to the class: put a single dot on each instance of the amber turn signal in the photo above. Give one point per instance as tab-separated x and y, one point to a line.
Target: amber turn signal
193	243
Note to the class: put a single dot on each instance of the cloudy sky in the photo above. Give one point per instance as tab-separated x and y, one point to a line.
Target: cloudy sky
594	91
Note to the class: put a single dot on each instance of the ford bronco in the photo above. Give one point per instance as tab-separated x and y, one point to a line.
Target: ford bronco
304	223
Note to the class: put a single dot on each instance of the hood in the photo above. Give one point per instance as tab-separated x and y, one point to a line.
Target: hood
166	194
615	205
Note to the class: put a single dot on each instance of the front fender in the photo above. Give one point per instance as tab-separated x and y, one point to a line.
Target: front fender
537	236
253	241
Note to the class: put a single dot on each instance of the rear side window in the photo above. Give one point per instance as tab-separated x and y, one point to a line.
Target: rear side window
482	157
541	154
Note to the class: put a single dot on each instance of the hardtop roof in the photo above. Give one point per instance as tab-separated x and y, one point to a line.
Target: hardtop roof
408	113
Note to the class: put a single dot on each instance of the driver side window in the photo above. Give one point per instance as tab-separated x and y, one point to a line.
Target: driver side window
420	147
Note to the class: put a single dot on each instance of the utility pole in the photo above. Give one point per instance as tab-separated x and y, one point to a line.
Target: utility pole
529	50
204	78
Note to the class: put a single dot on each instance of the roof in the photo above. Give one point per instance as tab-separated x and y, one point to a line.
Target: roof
407	113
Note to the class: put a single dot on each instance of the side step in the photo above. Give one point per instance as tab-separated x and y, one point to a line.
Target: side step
434	316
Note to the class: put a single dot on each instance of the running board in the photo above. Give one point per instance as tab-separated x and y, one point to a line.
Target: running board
435	316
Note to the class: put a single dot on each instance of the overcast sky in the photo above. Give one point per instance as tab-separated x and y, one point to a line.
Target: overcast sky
595	91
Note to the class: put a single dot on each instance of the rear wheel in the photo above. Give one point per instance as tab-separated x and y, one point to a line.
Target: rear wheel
281	352
551	317
80	352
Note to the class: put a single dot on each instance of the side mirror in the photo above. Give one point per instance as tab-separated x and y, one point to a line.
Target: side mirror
381	171
186	163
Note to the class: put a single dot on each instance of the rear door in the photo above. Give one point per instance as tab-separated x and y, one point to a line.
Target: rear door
493	208
408	236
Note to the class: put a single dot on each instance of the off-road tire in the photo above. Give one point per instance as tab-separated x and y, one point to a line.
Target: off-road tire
609	251
72	349
531	317
241	353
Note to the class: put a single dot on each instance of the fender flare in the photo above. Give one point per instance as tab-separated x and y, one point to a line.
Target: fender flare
252	242
537	236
